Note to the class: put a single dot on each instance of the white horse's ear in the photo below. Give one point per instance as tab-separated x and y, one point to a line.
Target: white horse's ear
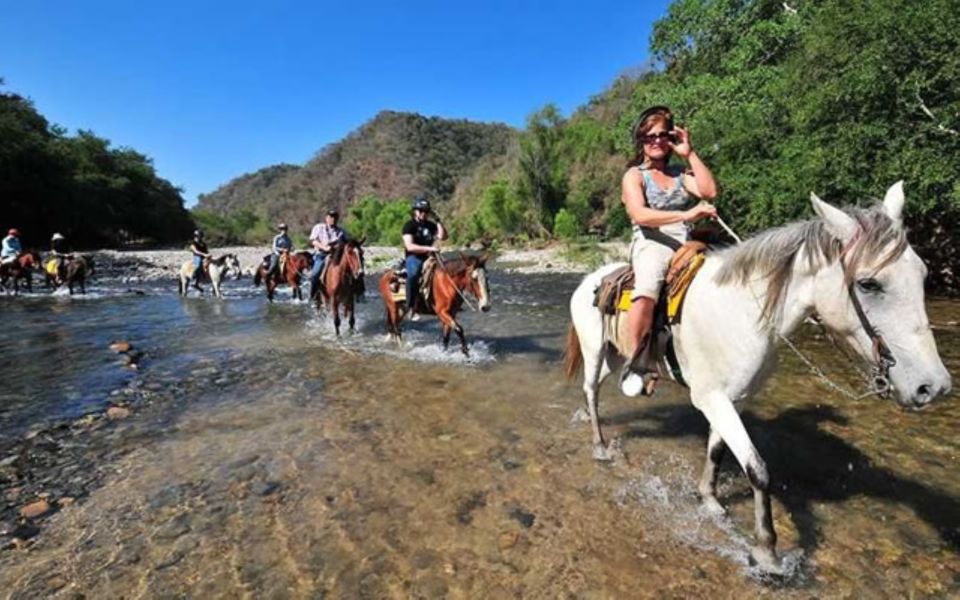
893	202
839	223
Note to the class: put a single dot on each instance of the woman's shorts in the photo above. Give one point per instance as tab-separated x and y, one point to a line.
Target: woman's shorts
650	261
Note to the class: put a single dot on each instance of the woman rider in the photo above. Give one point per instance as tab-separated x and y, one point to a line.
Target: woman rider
657	197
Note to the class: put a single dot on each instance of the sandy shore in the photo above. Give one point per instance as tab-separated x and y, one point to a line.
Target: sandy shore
131	266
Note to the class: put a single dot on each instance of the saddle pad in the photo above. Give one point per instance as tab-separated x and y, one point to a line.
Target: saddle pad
676	292
51	267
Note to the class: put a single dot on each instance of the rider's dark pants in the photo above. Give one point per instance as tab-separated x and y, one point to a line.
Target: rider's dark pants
414	265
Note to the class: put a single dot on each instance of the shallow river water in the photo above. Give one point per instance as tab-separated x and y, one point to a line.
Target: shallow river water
260	456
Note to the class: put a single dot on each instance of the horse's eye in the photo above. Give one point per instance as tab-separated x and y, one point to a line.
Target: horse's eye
869	286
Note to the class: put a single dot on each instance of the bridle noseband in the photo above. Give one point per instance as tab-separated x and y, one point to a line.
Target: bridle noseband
883	358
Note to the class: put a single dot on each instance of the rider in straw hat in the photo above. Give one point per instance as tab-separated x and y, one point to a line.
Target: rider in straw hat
60	253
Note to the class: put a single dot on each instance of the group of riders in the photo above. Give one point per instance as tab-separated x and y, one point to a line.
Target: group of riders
659	198
12	250
420	235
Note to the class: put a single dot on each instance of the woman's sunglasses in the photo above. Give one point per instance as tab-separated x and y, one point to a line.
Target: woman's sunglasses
663	136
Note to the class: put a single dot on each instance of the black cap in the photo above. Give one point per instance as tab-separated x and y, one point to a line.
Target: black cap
333	212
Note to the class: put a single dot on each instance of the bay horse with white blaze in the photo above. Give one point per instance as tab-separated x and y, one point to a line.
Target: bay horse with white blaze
21	267
215	270
854	269
342	280
449	282
297	264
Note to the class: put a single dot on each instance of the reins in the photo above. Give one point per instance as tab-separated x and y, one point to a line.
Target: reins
443	267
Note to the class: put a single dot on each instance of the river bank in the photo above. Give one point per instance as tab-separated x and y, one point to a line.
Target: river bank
134	266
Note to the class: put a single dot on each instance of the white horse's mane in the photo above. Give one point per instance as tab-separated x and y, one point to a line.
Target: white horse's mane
770	255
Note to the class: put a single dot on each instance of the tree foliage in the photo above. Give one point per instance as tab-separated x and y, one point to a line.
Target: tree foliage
80	185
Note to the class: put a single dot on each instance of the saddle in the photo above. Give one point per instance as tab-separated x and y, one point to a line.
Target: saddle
398	289
613	293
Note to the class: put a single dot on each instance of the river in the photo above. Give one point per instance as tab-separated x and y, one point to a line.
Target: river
256	454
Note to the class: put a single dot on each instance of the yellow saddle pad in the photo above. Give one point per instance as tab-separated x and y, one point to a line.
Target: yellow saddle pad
51	267
676	292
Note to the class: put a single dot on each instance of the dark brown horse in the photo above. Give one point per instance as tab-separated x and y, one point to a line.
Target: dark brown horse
20	268
450	281
342	281
297	263
79	268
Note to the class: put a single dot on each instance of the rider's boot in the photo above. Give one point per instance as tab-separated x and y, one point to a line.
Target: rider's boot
635	377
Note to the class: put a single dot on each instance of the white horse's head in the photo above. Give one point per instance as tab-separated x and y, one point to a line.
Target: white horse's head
886	276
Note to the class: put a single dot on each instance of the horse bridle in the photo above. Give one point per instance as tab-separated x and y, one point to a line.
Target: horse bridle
883	359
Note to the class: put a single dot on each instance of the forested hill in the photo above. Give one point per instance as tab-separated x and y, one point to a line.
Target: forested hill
95	194
393	155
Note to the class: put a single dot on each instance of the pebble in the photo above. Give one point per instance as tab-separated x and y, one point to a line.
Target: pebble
120	346
523	517
66	501
35	509
265	488
508	539
118	412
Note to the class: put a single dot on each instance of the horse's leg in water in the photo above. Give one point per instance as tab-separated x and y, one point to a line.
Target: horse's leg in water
595	370
718	408
449	322
716	450
335	307
349	306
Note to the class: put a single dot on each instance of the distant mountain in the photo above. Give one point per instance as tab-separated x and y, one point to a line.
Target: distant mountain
393	155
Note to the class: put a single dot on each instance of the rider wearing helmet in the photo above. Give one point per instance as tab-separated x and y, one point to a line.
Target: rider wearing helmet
281	244
200	252
11	247
60	253
419	237
322	237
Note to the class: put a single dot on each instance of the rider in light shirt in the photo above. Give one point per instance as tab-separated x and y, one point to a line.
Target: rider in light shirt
11	247
322	237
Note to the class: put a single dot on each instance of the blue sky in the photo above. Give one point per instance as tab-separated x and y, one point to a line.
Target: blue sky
211	90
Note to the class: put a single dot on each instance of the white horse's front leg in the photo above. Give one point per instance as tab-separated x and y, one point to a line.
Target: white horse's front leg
592	365
718	408
716	450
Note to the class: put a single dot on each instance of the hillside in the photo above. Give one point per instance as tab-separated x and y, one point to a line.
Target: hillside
394	155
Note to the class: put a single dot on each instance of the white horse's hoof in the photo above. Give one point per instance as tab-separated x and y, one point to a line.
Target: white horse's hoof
767	561
713	507
602	453
632	385
580	416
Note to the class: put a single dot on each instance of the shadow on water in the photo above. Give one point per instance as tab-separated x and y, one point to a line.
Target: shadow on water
808	465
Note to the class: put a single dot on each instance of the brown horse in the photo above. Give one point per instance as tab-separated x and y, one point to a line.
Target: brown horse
78	269
297	263
342	280
21	267
450	281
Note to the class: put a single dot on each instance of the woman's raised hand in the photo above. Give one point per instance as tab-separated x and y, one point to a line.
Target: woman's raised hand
682	147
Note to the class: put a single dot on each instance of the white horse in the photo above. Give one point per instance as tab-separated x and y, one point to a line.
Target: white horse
853	269
216	269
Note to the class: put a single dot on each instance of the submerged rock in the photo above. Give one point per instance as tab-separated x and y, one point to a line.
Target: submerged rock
35	509
120	346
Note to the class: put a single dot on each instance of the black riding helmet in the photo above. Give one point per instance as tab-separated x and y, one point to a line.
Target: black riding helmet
421	203
197	233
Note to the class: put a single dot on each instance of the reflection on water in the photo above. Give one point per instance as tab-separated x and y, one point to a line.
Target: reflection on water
266	456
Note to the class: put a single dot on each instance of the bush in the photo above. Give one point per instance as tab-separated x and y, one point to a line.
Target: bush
565	225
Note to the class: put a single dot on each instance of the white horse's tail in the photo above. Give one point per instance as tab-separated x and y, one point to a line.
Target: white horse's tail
572	356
